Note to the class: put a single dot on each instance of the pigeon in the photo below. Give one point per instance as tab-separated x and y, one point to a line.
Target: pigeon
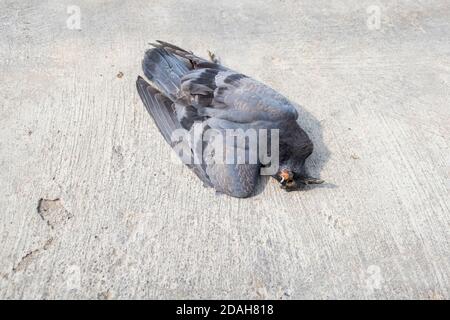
185	92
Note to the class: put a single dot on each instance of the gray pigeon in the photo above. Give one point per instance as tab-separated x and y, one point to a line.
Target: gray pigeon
185	89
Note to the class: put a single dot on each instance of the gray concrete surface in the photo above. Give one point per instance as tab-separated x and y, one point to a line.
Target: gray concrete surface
131	223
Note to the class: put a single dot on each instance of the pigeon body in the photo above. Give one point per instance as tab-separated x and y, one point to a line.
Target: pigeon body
185	89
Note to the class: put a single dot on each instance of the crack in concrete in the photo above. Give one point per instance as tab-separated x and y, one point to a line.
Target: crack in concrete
27	258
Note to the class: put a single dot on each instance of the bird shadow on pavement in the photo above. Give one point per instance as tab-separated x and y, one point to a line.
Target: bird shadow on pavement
318	159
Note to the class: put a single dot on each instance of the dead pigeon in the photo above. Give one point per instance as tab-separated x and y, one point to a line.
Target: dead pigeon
185	90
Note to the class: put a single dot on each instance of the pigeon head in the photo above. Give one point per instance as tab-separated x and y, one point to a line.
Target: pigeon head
293	180
294	148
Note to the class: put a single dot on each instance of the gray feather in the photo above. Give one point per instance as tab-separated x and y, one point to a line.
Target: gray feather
163	113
